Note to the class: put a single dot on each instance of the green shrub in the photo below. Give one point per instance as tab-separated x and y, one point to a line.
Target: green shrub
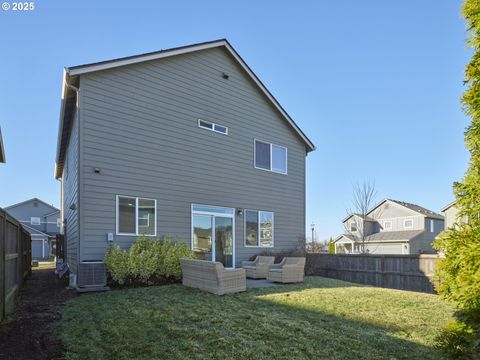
148	261
331	247
457	341
117	262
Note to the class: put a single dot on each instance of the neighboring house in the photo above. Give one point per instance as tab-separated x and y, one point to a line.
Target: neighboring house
451	215
2	150
185	142
42	221
391	227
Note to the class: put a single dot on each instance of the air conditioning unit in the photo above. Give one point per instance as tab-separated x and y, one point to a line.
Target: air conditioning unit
92	274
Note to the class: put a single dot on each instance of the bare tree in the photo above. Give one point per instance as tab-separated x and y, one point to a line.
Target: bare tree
363	198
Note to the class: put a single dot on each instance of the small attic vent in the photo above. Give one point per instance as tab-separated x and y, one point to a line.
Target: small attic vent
35	204
92	273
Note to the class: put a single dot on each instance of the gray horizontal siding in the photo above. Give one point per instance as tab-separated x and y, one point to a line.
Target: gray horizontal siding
70	184
139	126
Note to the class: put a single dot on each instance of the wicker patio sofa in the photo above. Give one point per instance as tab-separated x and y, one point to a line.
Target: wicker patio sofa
258	268
289	270
212	277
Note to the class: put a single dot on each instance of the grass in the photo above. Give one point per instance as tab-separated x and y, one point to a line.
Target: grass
322	318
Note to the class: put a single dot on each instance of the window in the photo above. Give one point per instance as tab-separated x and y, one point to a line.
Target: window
270	157
258	228
212	126
432	226
353	226
387	225
58	222
35	221
136	216
408	223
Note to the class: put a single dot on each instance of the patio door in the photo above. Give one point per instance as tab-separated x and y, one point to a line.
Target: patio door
213	234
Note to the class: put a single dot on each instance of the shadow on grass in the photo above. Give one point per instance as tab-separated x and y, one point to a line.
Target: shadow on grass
282	322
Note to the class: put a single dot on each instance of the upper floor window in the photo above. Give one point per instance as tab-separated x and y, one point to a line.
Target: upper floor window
136	216
270	157
432	226
212	126
408	223
58	222
35	221
258	228
353	226
387	225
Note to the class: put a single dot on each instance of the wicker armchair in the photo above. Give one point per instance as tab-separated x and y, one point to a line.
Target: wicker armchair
289	270
258	268
212	277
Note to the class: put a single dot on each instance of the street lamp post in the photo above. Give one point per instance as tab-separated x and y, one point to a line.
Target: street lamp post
313	232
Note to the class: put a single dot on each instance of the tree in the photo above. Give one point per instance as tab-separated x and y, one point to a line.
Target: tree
363	198
458	273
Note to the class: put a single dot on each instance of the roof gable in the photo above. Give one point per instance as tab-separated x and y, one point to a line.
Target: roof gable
26	202
72	73
412	207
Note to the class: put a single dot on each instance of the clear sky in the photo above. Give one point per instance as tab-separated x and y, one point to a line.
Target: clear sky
374	84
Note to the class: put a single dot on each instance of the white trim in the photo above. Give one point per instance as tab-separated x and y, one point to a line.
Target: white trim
212	216
117	224
405	220
258	231
213	127
188	49
385	222
271	156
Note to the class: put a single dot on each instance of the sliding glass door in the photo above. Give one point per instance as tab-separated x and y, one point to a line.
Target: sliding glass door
213	234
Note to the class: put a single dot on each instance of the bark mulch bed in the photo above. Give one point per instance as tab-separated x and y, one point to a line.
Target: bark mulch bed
29	332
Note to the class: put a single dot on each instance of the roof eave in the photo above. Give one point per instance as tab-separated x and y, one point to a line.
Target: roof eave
58	168
2	150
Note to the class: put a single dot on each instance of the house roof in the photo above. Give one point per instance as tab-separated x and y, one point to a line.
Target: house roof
34	231
387	236
453	203
52	213
367	218
419	209
70	82
2	150
30	200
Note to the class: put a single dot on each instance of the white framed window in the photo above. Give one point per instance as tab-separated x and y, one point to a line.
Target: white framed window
432	226
353	226
258	228
387	225
270	157
34	221
408	223
213	126
58	222
136	216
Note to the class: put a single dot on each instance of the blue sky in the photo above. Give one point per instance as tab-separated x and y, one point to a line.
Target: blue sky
374	84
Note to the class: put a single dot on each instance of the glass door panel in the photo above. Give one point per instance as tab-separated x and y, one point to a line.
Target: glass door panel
224	241
202	236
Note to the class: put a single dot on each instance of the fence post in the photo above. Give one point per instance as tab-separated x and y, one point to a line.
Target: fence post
382	271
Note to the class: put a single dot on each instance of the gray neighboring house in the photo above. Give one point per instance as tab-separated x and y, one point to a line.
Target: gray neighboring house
42	221
451	215
185	142
2	150
391	227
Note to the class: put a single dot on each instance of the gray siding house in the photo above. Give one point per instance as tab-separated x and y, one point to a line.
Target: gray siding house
391	227
185	142
42	221
452	217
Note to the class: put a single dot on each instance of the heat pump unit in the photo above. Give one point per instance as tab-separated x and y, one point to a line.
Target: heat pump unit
92	273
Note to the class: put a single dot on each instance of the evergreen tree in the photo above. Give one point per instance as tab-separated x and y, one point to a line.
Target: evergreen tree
458	273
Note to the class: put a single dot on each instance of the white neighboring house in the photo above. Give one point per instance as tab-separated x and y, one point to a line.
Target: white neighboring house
391	227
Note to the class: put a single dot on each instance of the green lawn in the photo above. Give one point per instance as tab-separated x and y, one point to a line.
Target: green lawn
322	318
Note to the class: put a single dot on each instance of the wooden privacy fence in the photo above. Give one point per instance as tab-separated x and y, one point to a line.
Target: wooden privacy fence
15	259
405	272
